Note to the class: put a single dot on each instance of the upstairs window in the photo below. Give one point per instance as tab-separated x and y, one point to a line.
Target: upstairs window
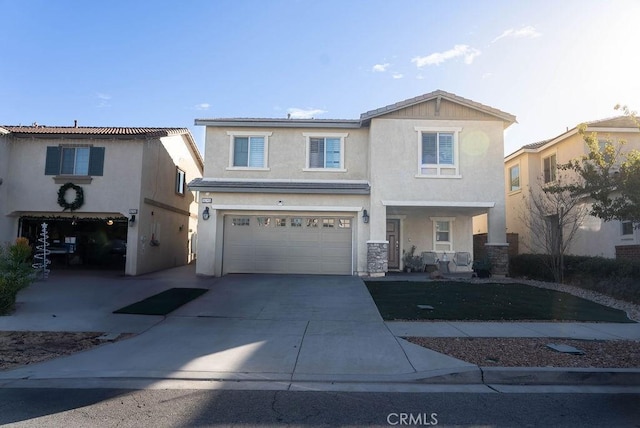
181	180
248	151
514	178
550	168
626	228
325	152
74	160
438	152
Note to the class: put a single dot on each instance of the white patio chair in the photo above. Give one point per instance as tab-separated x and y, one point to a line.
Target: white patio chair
429	258
462	260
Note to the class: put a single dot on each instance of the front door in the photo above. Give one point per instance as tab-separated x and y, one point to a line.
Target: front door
393	237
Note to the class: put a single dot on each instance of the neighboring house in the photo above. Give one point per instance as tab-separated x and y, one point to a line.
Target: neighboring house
124	202
537	163
350	196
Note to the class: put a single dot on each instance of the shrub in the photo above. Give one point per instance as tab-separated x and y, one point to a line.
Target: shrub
15	272
617	278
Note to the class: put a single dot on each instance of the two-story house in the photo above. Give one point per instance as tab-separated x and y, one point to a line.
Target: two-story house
535	165
350	196
111	197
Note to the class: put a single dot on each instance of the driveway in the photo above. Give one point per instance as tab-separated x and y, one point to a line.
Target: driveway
246	327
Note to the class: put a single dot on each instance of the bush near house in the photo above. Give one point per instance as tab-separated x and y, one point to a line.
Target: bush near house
15	272
618	278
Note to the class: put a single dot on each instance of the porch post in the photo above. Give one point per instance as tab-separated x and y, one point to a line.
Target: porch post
378	246
497	247
377	257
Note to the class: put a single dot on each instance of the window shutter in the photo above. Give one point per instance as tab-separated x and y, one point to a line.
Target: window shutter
429	149
446	149
256	152
52	163
96	161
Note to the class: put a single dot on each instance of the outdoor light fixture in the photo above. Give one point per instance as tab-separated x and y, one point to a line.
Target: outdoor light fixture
109	222
365	216
205	214
132	219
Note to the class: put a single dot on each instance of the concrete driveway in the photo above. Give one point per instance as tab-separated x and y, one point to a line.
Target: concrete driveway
283	328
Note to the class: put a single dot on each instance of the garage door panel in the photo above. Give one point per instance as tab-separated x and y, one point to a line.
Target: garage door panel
255	244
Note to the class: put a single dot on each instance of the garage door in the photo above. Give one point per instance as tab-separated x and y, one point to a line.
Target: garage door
287	244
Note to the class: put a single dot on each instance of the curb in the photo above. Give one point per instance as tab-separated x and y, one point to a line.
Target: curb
560	376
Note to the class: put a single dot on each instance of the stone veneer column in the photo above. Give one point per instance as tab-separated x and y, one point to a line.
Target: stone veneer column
377	257
498	255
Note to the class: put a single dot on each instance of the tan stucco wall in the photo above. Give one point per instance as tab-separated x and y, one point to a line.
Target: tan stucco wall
481	146
163	212
286	155
595	237
7	232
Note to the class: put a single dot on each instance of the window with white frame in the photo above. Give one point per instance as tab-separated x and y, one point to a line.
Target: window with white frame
248	150
626	228
438	151
74	159
180	181
442	233
325	151
550	168
514	178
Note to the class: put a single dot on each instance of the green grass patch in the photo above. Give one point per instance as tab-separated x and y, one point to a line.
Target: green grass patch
163	303
461	301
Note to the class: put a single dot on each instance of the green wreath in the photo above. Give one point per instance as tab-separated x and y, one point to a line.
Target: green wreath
77	202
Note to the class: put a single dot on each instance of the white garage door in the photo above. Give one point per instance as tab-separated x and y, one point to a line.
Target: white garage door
287	244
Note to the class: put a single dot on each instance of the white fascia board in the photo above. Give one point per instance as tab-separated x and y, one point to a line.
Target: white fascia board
278	180
314	208
439	204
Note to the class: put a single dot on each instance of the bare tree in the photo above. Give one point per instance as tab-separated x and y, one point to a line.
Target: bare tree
552	216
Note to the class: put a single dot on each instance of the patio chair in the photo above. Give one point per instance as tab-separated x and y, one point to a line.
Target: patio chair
462	260
429	258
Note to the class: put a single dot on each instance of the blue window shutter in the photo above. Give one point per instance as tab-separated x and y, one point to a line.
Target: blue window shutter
96	161
52	163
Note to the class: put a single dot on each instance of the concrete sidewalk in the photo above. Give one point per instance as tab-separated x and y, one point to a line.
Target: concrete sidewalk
279	331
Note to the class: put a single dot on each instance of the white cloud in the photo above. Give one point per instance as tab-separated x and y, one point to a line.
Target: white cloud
381	68
528	32
103	99
202	106
310	113
398	75
465	51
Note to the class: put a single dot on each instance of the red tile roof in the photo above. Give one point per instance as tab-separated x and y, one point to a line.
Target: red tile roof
97	130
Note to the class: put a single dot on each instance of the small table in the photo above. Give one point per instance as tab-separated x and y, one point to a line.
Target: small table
443	265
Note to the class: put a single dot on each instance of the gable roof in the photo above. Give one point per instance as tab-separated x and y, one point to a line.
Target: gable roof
438	94
608	124
365	118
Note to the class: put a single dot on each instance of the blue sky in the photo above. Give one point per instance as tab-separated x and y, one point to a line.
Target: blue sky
553	64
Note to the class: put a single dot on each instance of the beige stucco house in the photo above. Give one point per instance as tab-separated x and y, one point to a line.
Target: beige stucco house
350	196
537	163
124	202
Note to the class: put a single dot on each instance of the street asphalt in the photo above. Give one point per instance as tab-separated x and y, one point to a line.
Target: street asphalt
268	332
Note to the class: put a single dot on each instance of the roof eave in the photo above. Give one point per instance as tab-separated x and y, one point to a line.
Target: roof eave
280	123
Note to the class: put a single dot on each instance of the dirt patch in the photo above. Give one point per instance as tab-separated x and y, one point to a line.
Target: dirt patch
533	352
19	348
